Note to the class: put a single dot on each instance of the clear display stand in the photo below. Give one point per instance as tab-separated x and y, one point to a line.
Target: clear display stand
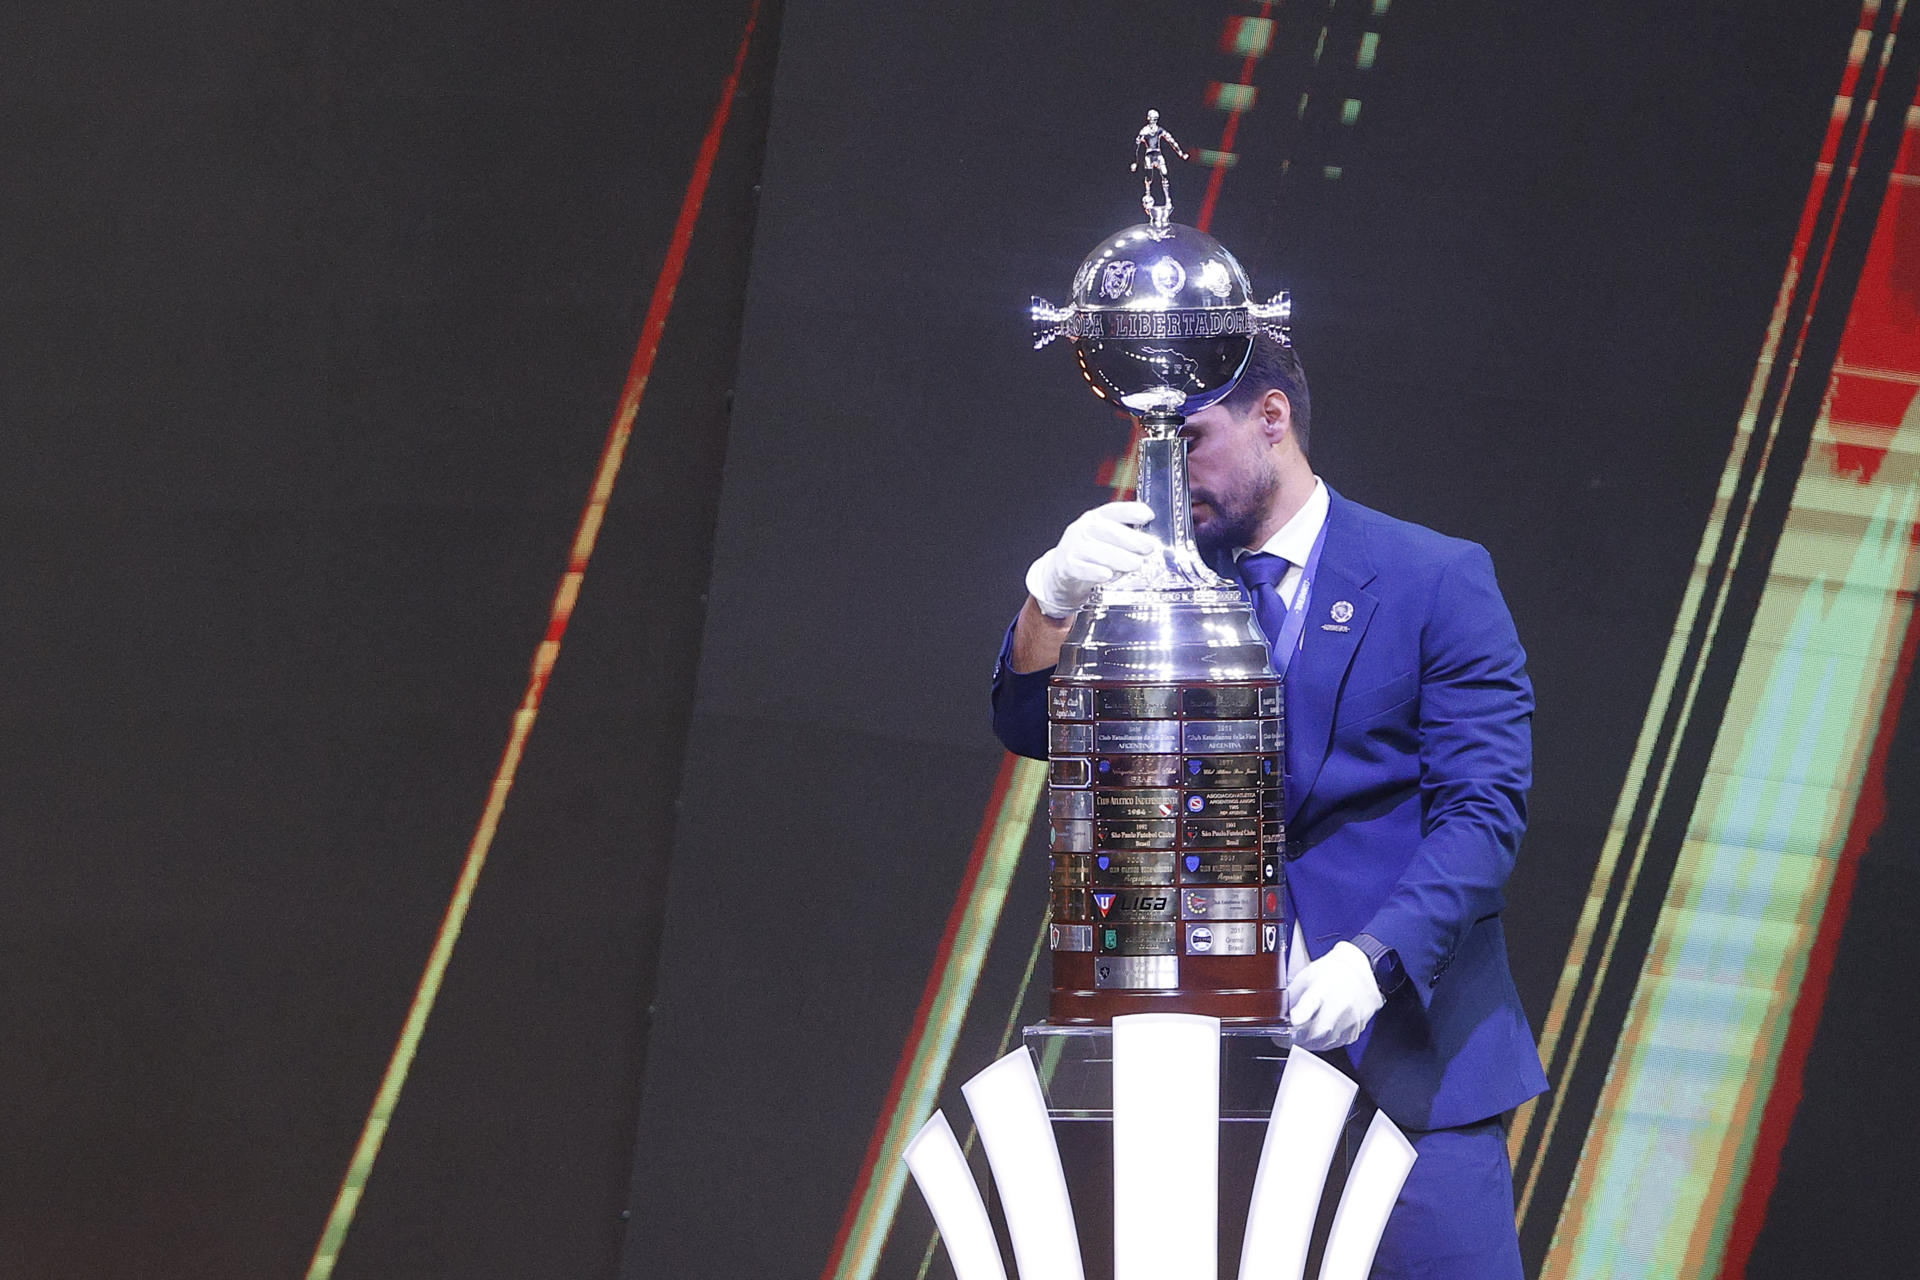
1075	1065
1076	1070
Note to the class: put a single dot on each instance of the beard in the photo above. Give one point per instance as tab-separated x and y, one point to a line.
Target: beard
1238	513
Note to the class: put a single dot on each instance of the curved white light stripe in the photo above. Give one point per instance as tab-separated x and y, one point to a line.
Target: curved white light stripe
1380	1170
1011	1115
940	1169
1166	1169
1309	1112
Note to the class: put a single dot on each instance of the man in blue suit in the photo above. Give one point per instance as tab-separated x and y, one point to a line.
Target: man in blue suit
1409	755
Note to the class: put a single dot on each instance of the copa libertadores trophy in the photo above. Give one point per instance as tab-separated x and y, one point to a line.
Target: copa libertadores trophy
1165	720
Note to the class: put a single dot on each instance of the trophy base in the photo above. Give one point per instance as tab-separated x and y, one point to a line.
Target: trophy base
1238	990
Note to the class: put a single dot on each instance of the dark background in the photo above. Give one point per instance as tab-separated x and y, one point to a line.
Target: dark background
311	323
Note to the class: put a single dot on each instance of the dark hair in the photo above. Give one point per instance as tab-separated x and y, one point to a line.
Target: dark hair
1270	367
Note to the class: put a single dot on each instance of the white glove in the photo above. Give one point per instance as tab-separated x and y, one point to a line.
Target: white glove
1097	548
1333	999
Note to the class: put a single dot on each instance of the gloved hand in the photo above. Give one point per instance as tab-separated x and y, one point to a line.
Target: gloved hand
1333	999
1097	548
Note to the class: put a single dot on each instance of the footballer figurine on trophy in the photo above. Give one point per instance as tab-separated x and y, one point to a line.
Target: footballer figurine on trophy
1148	162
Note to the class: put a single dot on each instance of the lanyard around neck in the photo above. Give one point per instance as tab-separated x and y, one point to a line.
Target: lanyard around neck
1293	630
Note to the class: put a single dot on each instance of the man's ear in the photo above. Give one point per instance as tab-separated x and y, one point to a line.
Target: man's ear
1276	415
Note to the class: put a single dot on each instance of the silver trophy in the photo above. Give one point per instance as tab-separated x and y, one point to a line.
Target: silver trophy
1164	714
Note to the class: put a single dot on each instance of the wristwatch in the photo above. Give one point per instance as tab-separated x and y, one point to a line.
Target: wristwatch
1387	972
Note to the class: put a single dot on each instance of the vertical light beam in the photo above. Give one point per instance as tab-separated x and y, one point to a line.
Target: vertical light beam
360	1167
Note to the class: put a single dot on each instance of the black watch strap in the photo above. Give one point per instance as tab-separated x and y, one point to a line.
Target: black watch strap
1387	972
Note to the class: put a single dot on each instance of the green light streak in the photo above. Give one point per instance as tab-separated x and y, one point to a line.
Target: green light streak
931	1056
1006	1042
1252	37
1660	1180
1233	97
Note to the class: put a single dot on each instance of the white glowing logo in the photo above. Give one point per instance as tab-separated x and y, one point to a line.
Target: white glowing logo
1166	1158
1214	278
1168	276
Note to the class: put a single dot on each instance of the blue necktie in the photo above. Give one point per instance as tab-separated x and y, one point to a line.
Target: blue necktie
1261	573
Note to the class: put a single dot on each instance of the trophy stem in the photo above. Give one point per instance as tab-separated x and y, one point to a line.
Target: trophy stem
1160	424
1162	485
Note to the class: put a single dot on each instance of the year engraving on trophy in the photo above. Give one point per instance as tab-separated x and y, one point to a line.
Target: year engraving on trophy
1220	833
1227	735
1220	866
1243	702
1142	702
1072	837
1068	905
1069	739
1137	939
1221	804
1232	771
1138	803
1156	833
1070	937
1239	938
1072	869
1070	773
1137	735
1137	973
1219	904
1070	804
1065	702
1144	867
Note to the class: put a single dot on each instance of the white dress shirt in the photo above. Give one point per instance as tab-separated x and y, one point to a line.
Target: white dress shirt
1294	542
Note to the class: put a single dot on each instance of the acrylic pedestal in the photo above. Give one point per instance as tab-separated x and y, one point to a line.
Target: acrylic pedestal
1076	1071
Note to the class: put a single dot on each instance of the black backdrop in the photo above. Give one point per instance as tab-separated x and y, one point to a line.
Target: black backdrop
314	319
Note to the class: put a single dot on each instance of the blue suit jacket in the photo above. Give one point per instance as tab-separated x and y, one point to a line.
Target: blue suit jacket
1409	755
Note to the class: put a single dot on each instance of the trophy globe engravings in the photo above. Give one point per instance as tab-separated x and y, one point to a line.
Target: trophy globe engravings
1165	721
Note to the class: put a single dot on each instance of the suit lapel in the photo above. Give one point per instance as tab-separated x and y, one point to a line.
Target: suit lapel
1319	670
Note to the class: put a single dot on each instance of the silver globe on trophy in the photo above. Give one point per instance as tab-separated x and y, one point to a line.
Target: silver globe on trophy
1165	717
